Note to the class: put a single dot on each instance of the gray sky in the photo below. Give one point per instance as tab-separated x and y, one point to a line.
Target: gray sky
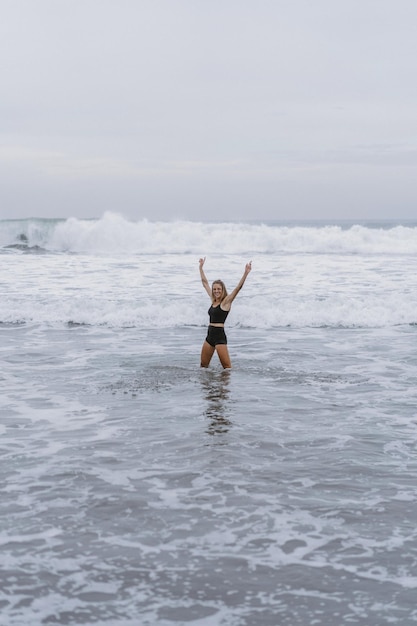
208	109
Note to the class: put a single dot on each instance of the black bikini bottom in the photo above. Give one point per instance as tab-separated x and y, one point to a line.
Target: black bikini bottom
216	335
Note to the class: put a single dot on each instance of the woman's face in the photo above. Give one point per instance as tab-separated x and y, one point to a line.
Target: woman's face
217	291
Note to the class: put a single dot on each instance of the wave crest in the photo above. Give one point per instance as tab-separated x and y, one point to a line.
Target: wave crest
113	234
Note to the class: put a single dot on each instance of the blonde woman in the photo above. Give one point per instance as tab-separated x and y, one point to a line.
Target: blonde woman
221	303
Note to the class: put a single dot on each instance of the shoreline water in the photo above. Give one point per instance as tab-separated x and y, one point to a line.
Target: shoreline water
139	485
139	488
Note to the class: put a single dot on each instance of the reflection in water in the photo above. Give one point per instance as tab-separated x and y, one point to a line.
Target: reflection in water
216	392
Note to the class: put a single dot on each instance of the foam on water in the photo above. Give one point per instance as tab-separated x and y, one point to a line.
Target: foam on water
138	488
113	234
224	508
137	274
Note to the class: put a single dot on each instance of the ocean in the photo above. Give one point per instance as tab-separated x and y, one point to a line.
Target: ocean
138	489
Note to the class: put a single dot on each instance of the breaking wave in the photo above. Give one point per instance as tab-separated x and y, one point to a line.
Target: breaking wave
113	234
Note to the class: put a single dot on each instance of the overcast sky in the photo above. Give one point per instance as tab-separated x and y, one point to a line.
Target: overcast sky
208	109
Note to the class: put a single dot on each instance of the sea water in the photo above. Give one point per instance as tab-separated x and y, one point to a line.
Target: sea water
139	489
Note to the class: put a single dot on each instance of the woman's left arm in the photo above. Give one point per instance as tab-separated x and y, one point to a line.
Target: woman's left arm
229	299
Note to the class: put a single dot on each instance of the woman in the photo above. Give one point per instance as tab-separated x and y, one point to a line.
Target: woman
221	303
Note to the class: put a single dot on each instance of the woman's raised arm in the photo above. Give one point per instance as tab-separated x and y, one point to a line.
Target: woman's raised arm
229	299
204	278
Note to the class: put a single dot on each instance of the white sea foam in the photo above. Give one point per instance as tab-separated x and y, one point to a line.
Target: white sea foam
164	290
284	488
122	288
113	234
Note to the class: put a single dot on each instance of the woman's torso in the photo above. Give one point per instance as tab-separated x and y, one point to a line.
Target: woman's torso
217	315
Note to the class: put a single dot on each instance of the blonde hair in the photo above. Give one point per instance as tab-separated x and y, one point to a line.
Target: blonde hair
224	290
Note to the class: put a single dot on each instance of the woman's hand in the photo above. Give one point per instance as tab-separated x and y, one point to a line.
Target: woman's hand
248	267
201	262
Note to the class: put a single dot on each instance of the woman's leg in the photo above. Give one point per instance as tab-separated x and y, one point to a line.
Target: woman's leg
223	354
207	352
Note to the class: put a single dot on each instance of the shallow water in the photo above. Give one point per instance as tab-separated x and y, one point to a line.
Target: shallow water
138	488
141	489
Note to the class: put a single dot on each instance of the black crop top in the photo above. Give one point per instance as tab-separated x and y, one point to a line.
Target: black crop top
217	315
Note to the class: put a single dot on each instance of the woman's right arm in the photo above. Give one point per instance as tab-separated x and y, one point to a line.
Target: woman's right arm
204	278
